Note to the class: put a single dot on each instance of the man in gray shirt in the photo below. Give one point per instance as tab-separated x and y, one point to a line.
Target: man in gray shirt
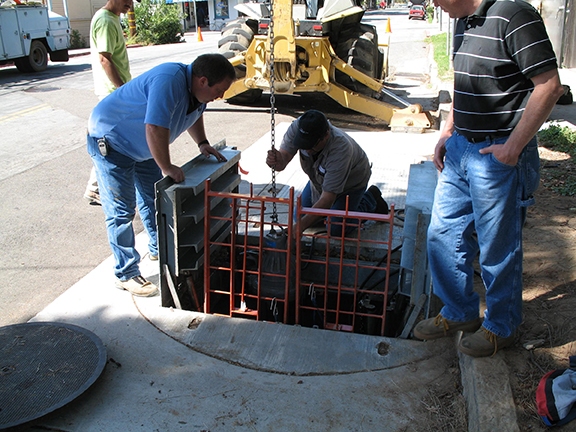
336	165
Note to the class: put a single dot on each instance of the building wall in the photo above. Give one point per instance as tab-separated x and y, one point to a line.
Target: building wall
569	51
559	19
222	10
80	13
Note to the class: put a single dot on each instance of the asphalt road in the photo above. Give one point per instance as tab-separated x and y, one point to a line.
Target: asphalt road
49	236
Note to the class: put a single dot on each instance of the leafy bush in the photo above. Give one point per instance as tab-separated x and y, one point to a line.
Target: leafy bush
157	23
560	176
77	40
430	13
558	138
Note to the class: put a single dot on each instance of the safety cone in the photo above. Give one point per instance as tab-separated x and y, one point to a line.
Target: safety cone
388	29
200	38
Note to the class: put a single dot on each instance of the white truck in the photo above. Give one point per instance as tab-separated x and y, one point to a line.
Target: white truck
30	32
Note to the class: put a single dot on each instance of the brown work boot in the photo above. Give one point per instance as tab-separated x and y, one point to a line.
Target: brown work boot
434	328
138	286
484	343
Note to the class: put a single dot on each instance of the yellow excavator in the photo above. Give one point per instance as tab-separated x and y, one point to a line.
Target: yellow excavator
314	49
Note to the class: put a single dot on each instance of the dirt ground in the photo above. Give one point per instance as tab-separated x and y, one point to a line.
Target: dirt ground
549	288
549	306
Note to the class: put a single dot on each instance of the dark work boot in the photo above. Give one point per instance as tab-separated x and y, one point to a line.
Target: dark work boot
381	205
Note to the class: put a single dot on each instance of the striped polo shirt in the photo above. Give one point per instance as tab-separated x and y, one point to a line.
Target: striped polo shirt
496	52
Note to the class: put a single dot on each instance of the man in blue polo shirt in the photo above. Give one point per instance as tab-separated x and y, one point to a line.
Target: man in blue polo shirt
505	86
129	134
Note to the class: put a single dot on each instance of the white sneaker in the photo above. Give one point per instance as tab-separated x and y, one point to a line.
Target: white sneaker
138	286
93	197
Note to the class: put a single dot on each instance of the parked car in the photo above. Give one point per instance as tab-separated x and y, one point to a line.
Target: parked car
418	12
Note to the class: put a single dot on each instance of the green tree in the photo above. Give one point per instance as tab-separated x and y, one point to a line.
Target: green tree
157	23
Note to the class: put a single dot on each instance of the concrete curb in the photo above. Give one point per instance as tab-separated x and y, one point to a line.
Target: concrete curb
489	400
79	52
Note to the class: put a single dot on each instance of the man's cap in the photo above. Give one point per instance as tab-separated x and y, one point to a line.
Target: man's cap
556	396
311	127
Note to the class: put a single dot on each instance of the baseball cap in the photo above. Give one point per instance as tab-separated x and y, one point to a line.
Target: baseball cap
311	127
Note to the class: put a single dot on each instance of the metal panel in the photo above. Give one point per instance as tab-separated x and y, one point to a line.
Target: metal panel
11	42
180	215
414	274
34	20
419	198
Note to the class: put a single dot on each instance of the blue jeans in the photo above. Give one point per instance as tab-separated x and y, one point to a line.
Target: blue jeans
125	184
360	200
478	193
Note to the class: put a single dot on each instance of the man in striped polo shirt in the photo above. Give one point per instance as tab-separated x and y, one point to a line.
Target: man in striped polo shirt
505	86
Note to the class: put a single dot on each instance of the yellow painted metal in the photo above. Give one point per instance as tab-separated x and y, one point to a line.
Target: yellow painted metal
308	64
411	119
408	120
356	74
360	103
284	43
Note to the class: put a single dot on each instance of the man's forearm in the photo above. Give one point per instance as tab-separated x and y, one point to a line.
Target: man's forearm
111	71
547	90
197	131
324	202
158	139
448	128
280	162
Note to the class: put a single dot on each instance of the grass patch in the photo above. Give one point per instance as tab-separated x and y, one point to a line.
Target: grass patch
559	176
558	138
441	58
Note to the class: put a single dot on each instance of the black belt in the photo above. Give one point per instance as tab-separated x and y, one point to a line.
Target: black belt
476	139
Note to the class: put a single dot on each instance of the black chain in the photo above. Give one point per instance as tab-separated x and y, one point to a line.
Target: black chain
274	216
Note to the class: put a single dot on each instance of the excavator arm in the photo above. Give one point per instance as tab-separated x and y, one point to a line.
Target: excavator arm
309	63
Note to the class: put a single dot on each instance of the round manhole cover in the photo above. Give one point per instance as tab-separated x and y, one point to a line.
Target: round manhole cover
44	366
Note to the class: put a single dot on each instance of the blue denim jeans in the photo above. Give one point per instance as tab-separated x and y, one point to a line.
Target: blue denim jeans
478	194
125	184
359	200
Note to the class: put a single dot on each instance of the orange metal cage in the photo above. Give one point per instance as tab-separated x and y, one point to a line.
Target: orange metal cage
263	272
323	299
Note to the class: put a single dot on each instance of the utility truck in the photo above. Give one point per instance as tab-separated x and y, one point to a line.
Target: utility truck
31	32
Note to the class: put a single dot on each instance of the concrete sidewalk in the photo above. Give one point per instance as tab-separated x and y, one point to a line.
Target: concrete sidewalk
164	374
174	370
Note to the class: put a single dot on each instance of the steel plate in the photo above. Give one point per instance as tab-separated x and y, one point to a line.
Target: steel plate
44	366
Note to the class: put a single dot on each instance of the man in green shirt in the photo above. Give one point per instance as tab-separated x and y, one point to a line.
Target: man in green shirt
110	66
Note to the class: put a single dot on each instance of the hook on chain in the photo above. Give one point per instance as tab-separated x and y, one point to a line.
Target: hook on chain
274	308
